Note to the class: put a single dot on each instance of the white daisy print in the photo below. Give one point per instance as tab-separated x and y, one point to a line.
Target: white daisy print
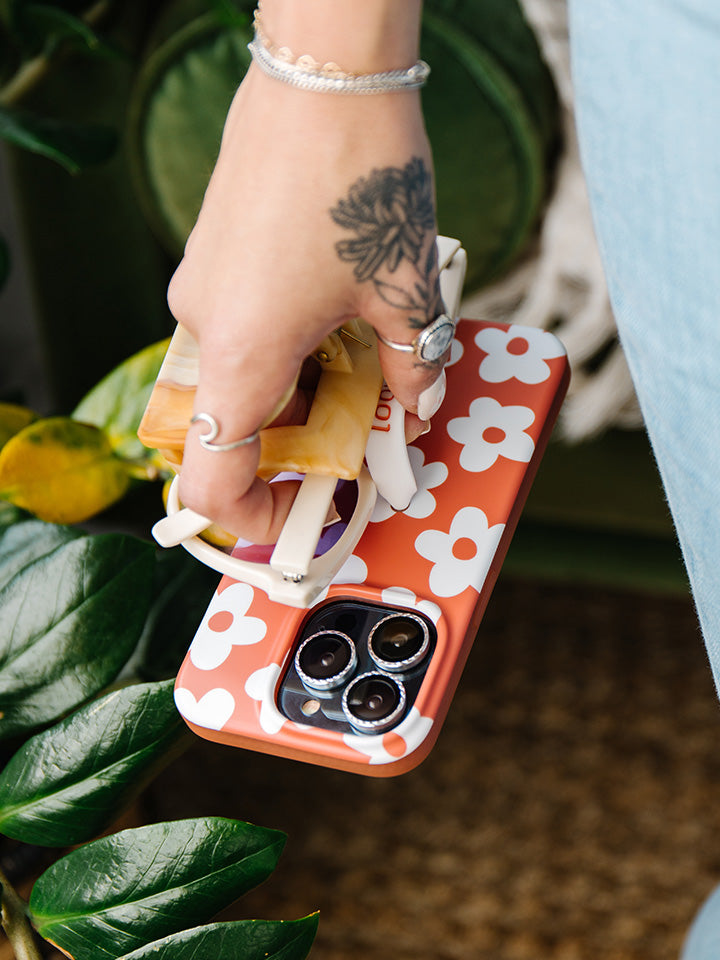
402	597
461	558
490	431
408	735
427	476
261	686
518	352
225	626
212	711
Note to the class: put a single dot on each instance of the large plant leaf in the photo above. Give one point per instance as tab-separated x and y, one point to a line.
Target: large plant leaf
242	940
61	470
69	620
490	192
490	92
182	590
66	784
118	402
43	25
124	891
13	419
182	97
72	145
24	542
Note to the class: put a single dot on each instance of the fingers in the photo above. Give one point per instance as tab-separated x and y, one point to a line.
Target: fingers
420	387
239	389
418	384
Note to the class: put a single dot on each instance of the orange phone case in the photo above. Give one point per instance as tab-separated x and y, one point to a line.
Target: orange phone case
439	557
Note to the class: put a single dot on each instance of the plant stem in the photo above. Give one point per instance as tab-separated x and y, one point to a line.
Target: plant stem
32	72
15	923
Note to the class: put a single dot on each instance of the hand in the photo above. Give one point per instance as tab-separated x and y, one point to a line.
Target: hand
320	209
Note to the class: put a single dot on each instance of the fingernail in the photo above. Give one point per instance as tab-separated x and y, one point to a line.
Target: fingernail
429	400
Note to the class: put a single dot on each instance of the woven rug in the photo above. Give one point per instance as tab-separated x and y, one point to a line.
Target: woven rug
569	810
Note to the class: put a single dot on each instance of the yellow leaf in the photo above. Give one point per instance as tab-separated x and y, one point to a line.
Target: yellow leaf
12	420
61	470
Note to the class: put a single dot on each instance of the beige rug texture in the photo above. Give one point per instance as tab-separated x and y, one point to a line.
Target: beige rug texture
570	810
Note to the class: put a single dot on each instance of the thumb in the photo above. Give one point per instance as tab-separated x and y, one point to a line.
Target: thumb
418	383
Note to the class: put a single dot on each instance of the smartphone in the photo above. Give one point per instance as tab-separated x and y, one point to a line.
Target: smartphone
362	680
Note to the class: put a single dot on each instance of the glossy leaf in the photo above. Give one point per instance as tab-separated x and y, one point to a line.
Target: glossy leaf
72	145
67	784
182	590
242	940
118	402
124	891
23	542
62	471
69	619
13	419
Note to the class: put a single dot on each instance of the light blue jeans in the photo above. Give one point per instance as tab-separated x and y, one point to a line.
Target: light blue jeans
647	83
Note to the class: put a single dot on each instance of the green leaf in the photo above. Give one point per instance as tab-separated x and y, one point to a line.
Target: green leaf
62	471
242	940
72	145
229	14
121	892
69	619
181	97
182	590
27	541
48	26
67	784
117	403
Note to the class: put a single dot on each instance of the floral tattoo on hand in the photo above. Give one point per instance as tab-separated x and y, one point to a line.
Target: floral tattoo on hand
392	214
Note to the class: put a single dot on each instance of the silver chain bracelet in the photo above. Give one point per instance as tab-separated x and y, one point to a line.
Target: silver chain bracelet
312	79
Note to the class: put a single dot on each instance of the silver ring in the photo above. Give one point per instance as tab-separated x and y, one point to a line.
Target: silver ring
206	439
431	343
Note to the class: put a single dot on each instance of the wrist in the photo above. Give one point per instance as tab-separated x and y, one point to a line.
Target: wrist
368	37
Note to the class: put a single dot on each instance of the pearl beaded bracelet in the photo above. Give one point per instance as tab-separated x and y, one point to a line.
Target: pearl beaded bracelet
306	73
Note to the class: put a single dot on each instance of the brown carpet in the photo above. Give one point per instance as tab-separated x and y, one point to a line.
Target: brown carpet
568	812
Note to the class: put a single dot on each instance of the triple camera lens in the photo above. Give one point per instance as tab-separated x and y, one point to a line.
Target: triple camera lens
374	697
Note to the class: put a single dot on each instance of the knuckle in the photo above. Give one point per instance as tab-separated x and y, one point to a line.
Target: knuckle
178	293
202	497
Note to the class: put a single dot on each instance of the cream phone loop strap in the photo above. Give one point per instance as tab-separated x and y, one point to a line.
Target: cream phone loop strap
206	439
431	343
297	75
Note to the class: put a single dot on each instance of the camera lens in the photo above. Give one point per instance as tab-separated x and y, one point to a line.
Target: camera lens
325	660
374	702
399	642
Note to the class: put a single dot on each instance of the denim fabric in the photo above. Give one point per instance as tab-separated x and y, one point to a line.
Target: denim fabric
647	85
